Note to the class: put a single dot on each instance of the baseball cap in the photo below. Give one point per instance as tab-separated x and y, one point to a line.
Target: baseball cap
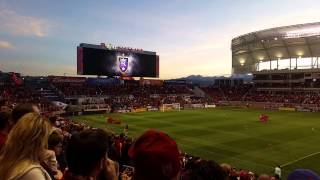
303	174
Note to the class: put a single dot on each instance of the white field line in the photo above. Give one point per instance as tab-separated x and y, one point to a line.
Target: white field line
299	159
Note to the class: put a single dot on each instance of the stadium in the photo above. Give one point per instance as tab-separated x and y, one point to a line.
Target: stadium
281	48
237	128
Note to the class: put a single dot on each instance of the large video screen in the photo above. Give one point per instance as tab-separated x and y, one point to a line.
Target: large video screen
93	61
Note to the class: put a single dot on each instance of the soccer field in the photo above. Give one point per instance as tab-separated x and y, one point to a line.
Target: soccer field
234	136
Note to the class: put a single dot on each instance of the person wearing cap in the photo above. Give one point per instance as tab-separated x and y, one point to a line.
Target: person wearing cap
303	174
155	156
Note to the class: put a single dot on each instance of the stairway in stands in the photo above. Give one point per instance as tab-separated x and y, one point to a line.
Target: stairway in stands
45	89
198	92
243	98
223	94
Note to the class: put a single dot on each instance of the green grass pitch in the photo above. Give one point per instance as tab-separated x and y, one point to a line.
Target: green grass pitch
232	135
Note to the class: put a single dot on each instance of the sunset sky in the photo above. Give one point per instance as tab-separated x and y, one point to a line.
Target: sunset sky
39	37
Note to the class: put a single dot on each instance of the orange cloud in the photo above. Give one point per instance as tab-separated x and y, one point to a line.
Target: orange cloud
17	24
5	45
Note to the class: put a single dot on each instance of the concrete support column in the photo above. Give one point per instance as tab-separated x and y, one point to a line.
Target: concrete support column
290	63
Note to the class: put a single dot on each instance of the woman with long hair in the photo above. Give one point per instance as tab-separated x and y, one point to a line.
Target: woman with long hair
26	141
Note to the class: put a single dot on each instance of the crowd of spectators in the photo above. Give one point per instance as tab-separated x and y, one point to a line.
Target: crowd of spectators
276	97
215	93
236	93
18	94
252	94
13	94
134	95
130	96
59	148
85	89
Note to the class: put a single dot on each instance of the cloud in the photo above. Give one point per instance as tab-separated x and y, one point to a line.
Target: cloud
5	45
17	24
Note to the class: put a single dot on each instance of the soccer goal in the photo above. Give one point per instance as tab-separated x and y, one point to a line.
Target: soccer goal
170	107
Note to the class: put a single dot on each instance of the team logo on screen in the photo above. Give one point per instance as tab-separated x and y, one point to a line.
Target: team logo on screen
123	63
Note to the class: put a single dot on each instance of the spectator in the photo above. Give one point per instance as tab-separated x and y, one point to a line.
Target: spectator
206	170
23	109
55	144
264	177
21	153
155	156
245	175
49	163
54	122
4	127
16	114
86	155
6	108
277	172
226	168
110	172
303	174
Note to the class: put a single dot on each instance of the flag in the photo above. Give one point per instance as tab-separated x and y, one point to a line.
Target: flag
16	79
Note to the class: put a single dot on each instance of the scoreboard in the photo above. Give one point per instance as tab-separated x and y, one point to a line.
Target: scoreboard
116	61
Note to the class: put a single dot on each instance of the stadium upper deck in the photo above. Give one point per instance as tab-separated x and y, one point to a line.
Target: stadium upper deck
287	47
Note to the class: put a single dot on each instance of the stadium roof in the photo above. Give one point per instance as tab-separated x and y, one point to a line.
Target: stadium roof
288	42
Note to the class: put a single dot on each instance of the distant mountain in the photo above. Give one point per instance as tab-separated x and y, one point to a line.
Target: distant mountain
209	80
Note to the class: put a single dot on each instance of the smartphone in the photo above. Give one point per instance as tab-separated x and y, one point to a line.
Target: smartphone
127	168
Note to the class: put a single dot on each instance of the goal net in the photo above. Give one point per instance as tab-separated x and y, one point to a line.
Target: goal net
170	107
